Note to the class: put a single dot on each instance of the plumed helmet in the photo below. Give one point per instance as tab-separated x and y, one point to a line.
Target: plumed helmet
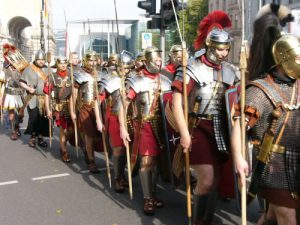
89	56
284	51
176	54
215	20
151	55
40	54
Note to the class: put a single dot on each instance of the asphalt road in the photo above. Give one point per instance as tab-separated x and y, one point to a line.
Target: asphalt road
37	188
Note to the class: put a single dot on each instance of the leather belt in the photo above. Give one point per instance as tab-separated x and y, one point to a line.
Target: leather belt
205	116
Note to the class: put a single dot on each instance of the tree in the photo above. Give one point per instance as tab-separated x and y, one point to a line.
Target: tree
196	10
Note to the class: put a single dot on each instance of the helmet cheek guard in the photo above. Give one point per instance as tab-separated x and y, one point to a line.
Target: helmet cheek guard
284	52
151	55
217	39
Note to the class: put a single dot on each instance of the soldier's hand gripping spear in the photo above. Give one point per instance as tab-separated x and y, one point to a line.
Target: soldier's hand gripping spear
123	111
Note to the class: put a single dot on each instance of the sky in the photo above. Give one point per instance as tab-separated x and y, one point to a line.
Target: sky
92	9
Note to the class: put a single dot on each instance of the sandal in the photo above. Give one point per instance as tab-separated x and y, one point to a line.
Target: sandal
32	142
18	132
148	206
64	156
93	168
42	143
13	136
158	203
119	187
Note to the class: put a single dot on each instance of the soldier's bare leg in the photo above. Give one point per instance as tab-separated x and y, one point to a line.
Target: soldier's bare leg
119	160
284	215
90	153
11	116
63	145
205	194
147	163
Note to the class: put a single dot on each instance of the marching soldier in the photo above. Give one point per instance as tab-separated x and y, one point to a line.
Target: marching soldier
58	91
12	98
89	121
144	92
208	76
111	90
272	114
175	60
32	80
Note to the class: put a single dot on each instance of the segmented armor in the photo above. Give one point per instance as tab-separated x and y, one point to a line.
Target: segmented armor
210	85
88	86
146	90
112	84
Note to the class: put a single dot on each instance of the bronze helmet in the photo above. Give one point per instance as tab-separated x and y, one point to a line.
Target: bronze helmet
284	52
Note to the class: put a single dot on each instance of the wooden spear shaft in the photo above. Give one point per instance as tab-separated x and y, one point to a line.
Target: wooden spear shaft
243	65
187	154
73	102
50	97
125	125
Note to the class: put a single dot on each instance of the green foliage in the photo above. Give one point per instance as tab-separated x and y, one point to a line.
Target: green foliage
196	10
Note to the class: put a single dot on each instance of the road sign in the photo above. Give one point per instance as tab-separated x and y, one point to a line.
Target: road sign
146	40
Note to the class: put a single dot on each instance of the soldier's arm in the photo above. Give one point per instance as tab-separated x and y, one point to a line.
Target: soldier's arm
98	117
185	138
121	116
47	103
26	87
240	163
72	108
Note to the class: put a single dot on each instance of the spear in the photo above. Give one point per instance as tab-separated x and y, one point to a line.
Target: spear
49	72
185	112
124	107
72	86
243	67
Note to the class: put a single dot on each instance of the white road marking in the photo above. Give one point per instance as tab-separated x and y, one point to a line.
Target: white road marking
51	176
9	182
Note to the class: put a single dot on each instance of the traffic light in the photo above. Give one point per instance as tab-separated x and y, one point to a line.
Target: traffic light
167	13
148	5
154	23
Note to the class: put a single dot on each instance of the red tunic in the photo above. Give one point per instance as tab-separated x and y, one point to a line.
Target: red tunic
148	145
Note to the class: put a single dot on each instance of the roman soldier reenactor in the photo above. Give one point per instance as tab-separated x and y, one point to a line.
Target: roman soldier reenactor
110	87
175	60
144	92
32	80
89	120
58	89
272	118
208	77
